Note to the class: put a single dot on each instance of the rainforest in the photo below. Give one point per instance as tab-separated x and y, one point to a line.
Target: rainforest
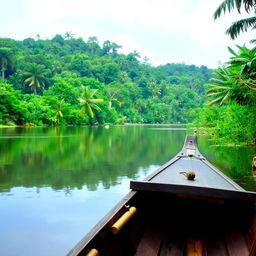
69	81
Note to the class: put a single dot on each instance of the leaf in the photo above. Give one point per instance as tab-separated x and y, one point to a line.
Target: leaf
93	92
225	98
97	100
214	94
215	101
232	51
240	26
91	114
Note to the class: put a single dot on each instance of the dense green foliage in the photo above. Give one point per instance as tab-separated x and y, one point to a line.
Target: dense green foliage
44	81
233	88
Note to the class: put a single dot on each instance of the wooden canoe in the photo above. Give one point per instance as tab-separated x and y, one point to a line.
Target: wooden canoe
167	214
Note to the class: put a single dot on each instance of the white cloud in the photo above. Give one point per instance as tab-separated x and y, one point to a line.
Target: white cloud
163	30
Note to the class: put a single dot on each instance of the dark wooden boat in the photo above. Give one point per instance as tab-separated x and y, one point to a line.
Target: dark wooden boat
167	214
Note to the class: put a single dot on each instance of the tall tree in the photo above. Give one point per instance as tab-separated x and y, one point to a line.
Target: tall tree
35	77
112	94
68	35
58	110
241	25
6	60
89	102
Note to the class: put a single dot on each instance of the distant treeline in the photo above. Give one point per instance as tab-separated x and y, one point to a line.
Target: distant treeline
67	80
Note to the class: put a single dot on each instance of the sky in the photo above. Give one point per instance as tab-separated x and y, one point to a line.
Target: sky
165	31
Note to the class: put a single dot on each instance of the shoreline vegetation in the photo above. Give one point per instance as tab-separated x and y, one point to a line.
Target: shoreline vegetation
69	81
202	131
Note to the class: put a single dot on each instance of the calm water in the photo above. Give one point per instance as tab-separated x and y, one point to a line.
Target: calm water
56	183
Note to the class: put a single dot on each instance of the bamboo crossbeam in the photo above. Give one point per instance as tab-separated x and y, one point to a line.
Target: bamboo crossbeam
93	252
117	226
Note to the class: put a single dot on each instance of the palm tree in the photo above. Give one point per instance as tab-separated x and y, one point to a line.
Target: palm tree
241	25
112	92
58	109
35	77
228	84
5	59
89	103
68	35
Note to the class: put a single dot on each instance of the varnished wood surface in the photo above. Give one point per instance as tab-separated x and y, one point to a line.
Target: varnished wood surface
195	247
215	246
192	190
171	247
207	175
178	220
156	244
236	245
101	227
168	225
150	243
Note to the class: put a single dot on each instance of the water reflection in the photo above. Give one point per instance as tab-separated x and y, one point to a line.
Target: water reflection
56	183
235	162
73	157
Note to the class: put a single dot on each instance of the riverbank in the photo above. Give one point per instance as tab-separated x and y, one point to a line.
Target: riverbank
220	141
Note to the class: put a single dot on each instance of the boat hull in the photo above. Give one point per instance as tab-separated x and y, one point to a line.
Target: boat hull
177	219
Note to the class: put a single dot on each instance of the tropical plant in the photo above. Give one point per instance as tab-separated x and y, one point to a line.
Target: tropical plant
58	110
89	103
241	25
228	84
235	81
69	64
6	60
112	93
154	88
34	77
122	119
245	59
68	35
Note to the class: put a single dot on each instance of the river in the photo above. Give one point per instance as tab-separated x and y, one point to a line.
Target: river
57	183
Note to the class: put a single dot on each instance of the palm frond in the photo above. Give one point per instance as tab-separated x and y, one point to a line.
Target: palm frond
211	94
93	92
241	26
232	51
215	101
230	5
225	98
97	100
217	81
89	111
227	4
220	87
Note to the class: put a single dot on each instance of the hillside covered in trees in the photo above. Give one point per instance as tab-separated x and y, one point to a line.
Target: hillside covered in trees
69	81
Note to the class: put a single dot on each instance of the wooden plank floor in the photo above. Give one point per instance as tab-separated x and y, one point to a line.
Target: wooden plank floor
155	243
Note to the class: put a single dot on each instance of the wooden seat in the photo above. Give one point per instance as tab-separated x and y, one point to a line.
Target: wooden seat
171	247
150	243
195	247
157	243
236	245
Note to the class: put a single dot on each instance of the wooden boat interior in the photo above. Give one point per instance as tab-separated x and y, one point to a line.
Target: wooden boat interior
177	222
